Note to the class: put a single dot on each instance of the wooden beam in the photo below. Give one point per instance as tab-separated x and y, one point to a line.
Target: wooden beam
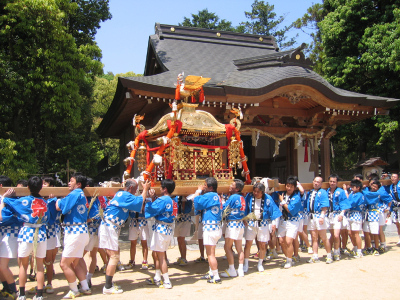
325	159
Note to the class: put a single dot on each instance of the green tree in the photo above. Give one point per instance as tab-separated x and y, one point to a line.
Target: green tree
264	21
47	69
208	20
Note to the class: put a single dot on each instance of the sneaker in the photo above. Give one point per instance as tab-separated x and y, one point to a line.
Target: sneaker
215	281
103	269
227	274
183	262
274	254
381	250
200	259
178	261
120	267
89	283
97	269
49	289
7	295
167	262
370	251
313	260
346	252
287	265
358	255
207	276
70	295
336	257
376	252
32	276
303	248
329	260
130	265
352	253
256	255
321	245
31	291
153	281
112	290
21	297
166	285
37	297
364	252
260	268
85	292
283	264
240	273
341	251
310	250
296	259
145	265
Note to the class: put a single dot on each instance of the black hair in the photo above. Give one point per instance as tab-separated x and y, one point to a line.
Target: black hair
261	187
5	180
49	180
373	176
115	179
89	182
80	178
212	182
292	180
239	184
22	182
375	181
356	183
358	176
35	185
334	175
169	184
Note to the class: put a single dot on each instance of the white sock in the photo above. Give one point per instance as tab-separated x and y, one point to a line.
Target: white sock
73	286
359	251
89	276
166	277
315	256
260	261
355	249
232	268
240	268
246	261
274	252
84	285
329	255
383	244
158	275
216	274
289	260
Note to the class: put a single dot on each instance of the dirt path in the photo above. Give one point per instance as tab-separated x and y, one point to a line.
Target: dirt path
372	277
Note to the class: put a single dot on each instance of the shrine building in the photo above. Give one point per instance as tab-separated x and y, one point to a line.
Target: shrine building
289	111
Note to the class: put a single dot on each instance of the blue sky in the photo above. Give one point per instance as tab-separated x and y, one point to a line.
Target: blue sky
124	39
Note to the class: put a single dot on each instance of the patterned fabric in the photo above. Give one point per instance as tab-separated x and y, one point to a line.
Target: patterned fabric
163	228
76	229
93	227
264	223
114	220
27	234
235	224
373	215
294	219
183	218
211	225
140	221
53	230
355	215
9	230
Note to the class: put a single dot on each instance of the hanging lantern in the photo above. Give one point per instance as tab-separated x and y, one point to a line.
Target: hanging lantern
234	154
141	157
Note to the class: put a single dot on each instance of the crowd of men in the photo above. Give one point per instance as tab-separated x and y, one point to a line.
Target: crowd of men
32	225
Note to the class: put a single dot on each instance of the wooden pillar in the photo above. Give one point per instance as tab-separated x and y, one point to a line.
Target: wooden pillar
325	159
291	158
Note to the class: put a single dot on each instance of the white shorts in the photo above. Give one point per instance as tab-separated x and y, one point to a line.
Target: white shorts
8	246
313	224
182	229
372	227
382	219
301	224
234	233
74	244
93	242
108	237
262	233
345	222
141	232
334	222
288	228
305	220
200	231
211	238
54	242
355	225
160	242
25	249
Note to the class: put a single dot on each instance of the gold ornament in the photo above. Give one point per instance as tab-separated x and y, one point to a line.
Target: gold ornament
141	157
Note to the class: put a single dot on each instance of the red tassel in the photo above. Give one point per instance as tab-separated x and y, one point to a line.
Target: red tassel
201	95
193	99
178	92
306	151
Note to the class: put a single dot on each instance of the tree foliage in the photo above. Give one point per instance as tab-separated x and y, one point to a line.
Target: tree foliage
48	63
208	20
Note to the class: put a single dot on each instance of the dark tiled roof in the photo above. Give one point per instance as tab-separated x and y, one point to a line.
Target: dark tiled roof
240	64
